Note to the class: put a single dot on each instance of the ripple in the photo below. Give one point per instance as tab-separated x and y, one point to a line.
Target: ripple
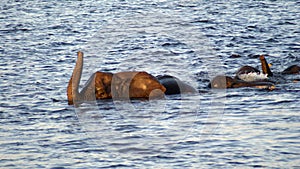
233	129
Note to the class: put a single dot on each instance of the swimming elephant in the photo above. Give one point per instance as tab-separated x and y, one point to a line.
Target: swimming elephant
175	86
248	73
249	69
248	76
102	85
223	82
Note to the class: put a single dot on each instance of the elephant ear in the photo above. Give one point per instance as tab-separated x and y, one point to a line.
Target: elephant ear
103	85
126	85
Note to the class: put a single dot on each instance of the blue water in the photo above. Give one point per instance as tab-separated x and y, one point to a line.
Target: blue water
195	41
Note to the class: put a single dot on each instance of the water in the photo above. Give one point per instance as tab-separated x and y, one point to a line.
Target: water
237	128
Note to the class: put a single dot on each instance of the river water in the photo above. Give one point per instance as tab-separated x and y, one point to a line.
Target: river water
192	40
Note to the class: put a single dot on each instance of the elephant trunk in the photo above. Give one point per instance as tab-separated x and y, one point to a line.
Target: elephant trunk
265	67
72	90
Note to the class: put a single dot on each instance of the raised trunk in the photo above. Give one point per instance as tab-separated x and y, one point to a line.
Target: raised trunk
265	67
72	90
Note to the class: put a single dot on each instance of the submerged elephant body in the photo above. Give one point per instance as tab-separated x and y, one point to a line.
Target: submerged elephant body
103	85
128	85
248	76
136	85
223	82
174	85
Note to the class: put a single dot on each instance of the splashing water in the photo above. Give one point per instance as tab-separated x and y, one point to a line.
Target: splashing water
253	76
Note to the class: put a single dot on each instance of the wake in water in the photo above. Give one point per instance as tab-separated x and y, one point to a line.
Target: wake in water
253	76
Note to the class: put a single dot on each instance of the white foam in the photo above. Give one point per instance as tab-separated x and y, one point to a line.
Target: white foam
253	76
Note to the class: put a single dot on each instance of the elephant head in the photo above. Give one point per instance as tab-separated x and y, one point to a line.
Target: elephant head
88	91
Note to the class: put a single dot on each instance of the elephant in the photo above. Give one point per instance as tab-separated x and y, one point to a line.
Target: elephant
246	76
105	85
265	80
223	82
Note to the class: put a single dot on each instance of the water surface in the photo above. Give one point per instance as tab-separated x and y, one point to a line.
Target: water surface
236	128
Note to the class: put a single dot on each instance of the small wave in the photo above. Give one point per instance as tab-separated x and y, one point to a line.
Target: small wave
253	76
